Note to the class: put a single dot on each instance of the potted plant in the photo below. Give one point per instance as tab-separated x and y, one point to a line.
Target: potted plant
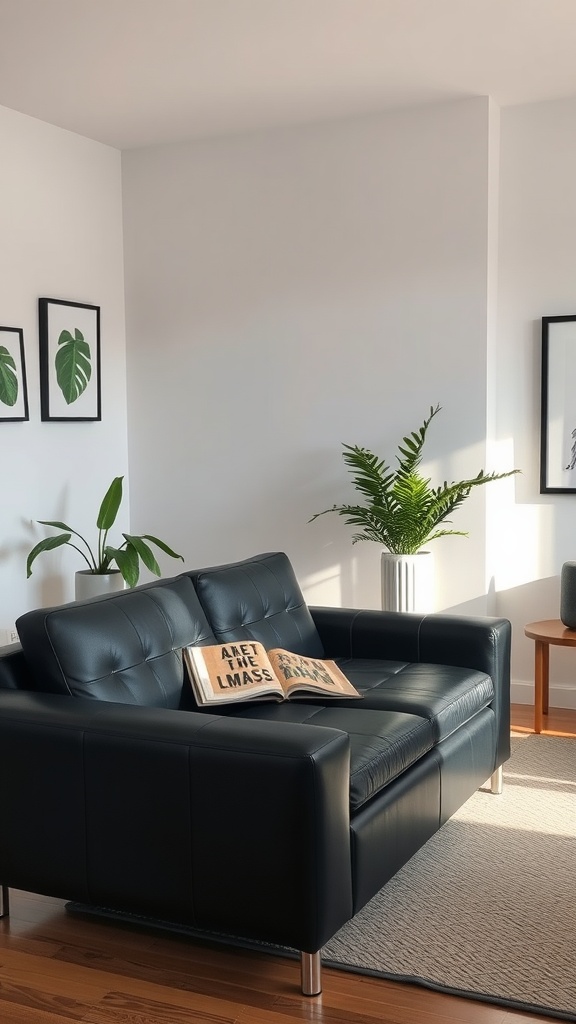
402	511
100	577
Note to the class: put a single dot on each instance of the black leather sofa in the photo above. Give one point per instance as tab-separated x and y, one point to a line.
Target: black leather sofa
274	822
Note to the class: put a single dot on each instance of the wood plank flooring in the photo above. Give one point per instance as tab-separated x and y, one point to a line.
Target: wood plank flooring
56	968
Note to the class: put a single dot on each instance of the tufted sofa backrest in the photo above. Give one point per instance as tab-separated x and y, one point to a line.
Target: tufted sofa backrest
124	648
258	599
127	647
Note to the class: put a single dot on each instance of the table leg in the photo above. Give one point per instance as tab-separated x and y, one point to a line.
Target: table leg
541	682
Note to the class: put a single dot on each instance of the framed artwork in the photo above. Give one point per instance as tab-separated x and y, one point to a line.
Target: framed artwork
13	387
69	360
558	406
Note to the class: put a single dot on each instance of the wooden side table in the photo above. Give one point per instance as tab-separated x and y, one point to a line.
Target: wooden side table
549	631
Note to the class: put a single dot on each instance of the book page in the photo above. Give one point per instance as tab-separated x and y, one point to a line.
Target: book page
225	673
296	672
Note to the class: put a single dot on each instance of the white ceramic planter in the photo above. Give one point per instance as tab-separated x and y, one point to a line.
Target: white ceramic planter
91	584
407	582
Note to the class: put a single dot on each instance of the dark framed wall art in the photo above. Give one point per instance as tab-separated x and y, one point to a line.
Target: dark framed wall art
69	334
13	387
558	406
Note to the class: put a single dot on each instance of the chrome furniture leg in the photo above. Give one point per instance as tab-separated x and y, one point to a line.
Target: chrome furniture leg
311	973
4	901
496	781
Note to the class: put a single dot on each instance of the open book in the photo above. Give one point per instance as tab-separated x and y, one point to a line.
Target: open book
226	673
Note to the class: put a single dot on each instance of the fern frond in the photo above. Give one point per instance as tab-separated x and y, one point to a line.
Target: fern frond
371	476
402	510
412	453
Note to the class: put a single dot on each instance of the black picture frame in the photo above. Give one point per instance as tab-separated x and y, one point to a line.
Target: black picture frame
69	336
558	406
13	384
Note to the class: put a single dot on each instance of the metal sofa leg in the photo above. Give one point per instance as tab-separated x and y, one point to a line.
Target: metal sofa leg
311	973
496	781
4	901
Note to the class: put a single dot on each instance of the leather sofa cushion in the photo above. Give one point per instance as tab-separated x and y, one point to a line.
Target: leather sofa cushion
125	648
258	599
448	696
383	744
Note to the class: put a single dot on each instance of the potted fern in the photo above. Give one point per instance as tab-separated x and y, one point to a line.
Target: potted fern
100	576
403	512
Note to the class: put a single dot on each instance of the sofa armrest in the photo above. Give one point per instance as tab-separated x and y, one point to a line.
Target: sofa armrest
232	825
477	642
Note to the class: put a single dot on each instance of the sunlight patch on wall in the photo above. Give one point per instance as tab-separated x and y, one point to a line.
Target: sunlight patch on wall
513	531
323	587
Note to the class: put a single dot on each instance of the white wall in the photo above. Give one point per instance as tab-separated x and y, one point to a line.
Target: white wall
537	255
292	290
347	276
61	230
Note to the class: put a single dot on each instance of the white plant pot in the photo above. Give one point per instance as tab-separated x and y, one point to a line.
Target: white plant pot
92	584
407	582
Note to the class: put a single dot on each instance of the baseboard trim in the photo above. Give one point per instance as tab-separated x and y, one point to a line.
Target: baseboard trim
522	692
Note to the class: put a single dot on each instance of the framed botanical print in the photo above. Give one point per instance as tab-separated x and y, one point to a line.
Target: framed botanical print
69	360
13	387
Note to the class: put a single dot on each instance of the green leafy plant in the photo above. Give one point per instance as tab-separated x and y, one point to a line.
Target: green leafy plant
127	557
72	365
401	510
8	378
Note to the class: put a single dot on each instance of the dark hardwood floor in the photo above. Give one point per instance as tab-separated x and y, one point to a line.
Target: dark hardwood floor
56	968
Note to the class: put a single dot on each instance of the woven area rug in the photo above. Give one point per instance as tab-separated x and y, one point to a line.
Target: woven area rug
487	909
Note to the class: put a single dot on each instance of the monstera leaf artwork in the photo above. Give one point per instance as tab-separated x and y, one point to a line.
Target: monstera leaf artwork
13	391
69	334
73	365
8	378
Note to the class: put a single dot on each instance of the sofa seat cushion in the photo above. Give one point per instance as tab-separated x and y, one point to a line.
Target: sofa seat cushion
383	744
448	696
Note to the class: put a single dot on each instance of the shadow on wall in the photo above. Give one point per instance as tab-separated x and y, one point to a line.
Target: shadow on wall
532	602
333	571
483	604
538	599
43	591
